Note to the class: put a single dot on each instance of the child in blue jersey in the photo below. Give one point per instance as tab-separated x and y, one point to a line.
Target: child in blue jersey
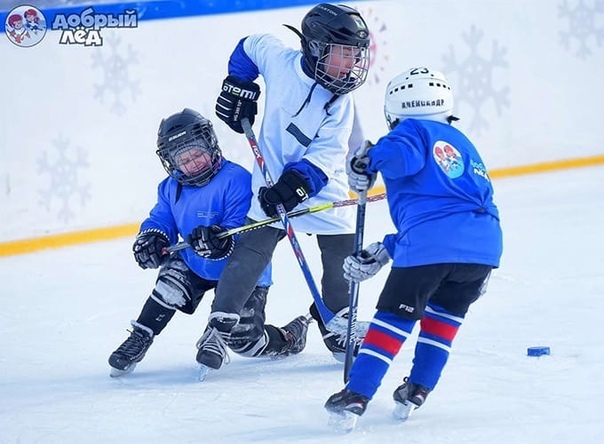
307	123
204	195
447	242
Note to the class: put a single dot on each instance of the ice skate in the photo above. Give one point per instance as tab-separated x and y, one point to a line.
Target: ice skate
211	353
212	346
408	397
132	351
295	333
336	342
344	409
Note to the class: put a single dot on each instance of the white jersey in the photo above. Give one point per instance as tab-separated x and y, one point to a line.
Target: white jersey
295	127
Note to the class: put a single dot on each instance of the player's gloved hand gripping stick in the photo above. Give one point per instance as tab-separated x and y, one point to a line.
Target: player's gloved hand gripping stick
332	322
272	220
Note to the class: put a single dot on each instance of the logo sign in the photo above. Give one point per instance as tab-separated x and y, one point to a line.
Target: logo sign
25	26
85	28
448	159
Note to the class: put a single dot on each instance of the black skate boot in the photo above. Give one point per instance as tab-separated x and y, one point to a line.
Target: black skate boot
336	343
284	341
344	409
295	333
132	351
408	397
212	346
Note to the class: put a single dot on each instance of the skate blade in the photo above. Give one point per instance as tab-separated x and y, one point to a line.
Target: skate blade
202	372
402	412
339	356
116	373
342	422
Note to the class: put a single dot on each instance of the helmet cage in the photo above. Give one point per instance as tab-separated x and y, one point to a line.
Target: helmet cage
341	68
190	154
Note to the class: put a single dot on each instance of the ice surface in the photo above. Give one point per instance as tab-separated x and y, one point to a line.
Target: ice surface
62	312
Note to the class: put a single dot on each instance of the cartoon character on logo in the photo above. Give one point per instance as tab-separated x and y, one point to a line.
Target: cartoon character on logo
32	21
441	159
18	32
448	159
25	26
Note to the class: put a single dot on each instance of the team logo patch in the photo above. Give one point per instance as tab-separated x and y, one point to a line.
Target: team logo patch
448	159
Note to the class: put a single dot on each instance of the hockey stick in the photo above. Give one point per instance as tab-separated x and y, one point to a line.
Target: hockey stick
262	223
332	322
353	301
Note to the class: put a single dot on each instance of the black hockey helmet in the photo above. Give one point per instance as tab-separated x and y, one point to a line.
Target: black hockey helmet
188	148
335	29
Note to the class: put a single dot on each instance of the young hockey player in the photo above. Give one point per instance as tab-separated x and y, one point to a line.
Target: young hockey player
447	242
204	195
308	120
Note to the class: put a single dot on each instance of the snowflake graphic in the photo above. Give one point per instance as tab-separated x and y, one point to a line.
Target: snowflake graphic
583	25
116	74
378	46
63	170
475	86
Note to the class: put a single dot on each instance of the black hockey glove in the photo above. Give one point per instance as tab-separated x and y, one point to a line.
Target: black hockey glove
205	242
359	180
150	249
290	190
236	102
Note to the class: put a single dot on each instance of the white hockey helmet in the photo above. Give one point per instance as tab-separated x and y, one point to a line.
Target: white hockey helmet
420	93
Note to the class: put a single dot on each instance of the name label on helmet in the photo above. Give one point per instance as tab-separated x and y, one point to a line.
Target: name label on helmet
176	136
420	103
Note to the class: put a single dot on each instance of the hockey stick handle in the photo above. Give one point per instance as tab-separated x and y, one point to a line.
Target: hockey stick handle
353	301
325	313
262	223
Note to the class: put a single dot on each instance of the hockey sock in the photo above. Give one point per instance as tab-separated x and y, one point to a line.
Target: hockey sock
438	329
385	337
155	316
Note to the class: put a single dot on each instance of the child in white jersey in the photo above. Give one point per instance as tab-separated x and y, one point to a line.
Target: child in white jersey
307	124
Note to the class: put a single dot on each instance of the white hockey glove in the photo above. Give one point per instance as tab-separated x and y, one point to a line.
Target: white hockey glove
359	180
367	263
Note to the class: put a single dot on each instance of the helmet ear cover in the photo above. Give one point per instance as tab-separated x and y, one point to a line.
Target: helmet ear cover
188	148
314	48
419	93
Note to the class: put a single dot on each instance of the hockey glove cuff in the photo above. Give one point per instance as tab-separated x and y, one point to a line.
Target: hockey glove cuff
206	243
150	248
366	263
236	102
290	190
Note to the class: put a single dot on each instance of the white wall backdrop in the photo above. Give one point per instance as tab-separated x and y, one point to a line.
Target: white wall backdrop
78	124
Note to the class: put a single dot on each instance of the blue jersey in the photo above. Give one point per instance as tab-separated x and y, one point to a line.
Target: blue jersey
224	201
439	194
